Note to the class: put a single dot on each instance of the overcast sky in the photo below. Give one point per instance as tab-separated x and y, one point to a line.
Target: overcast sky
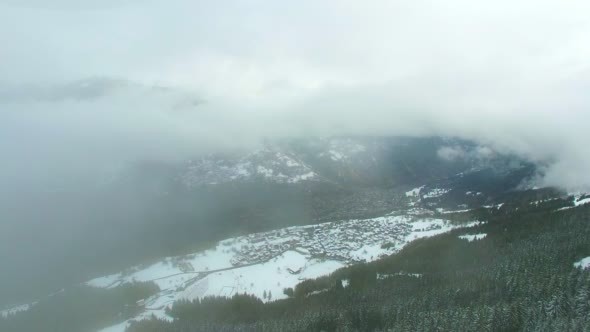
120	80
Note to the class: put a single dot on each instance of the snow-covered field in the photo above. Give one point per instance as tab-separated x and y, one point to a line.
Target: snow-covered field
285	270
266	263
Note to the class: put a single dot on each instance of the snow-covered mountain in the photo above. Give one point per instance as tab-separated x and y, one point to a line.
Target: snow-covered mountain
261	165
291	210
280	183
346	161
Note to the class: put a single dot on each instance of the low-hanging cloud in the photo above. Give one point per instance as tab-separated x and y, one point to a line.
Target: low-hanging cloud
87	87
107	83
450	153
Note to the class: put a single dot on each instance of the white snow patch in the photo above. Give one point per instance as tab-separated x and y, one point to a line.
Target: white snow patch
264	171
414	192
387	276
290	162
443	211
583	264
16	309
543	201
436	192
565	208
579	202
497	206
473	237
367	253
302	177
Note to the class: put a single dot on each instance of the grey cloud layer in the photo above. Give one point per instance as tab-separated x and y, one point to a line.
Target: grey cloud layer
513	75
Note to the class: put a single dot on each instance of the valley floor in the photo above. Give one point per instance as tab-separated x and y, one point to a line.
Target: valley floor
264	264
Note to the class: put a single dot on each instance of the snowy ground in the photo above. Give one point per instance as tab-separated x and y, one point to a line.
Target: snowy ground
263	164
579	200
414	192
285	270
405	274
15	310
583	264
473	237
497	206
269	262
436	192
444	211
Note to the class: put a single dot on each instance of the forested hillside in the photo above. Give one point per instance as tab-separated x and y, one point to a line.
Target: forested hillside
79	308
466	244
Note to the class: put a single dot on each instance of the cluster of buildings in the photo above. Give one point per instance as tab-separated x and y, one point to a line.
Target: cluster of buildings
333	240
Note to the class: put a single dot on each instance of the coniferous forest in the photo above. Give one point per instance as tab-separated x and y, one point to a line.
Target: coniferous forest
80	308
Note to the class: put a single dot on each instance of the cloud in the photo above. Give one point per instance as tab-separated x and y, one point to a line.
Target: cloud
87	87
484	152
159	79
449	153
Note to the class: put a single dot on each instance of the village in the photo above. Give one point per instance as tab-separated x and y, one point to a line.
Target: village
339	241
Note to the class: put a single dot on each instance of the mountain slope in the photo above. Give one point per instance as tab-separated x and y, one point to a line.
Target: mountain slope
156	209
